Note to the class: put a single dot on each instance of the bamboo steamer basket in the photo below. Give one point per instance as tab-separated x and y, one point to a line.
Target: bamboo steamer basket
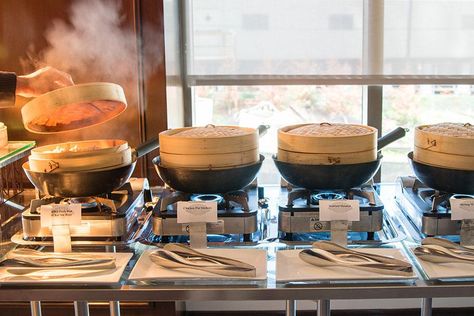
84	163
446	145
210	161
74	107
326	158
80	148
327	144
210	147
80	156
444	160
448	138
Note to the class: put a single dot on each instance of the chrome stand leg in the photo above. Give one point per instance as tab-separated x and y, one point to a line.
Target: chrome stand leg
114	308
290	308
324	307
81	308
35	307
426	306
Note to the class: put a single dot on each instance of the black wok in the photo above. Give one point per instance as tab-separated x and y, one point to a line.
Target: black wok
335	177
208	181
86	183
443	179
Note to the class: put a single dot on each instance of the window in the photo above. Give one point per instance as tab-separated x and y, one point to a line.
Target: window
254	62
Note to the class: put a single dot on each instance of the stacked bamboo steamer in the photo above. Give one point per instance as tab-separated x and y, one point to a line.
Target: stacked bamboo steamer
209	147
446	145
327	144
80	156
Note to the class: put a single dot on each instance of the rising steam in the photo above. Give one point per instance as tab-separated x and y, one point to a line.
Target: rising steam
94	45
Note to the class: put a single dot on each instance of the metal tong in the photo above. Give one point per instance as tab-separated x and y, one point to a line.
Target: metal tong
325	253
438	250
37	260
176	256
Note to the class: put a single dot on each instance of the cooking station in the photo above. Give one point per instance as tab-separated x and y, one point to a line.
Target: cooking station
236	214
110	216
299	212
428	209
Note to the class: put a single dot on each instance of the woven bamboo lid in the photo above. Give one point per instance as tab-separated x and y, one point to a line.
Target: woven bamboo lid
208	140
327	138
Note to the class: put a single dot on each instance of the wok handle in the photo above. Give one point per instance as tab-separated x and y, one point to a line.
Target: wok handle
262	129
147	147
389	138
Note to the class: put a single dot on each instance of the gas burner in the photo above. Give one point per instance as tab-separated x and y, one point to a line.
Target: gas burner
228	201
233	212
207	198
462	196
428	210
111	216
86	202
315	198
300	211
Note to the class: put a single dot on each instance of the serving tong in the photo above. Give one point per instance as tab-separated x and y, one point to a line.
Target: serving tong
176	256
326	253
439	250
31	260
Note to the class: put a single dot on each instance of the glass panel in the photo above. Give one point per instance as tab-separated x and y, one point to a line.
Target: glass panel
410	106
276	106
429	37
275	37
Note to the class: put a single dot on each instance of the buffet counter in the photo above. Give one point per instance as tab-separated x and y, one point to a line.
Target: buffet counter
200	288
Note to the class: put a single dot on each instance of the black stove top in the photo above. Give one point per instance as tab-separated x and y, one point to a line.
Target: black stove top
232	204
303	200
107	205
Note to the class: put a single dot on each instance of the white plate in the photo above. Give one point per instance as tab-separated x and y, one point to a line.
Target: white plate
446	271
146	270
290	267
70	276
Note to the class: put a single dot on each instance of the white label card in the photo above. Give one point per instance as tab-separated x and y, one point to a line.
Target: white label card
60	214
197	212
462	209
337	210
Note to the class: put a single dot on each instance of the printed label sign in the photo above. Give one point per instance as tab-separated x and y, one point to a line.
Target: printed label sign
60	214
197	212
336	210
462	209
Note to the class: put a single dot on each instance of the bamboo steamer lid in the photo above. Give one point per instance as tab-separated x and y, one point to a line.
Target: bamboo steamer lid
444	160
330	138
449	138
208	140
209	161
326	158
74	107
